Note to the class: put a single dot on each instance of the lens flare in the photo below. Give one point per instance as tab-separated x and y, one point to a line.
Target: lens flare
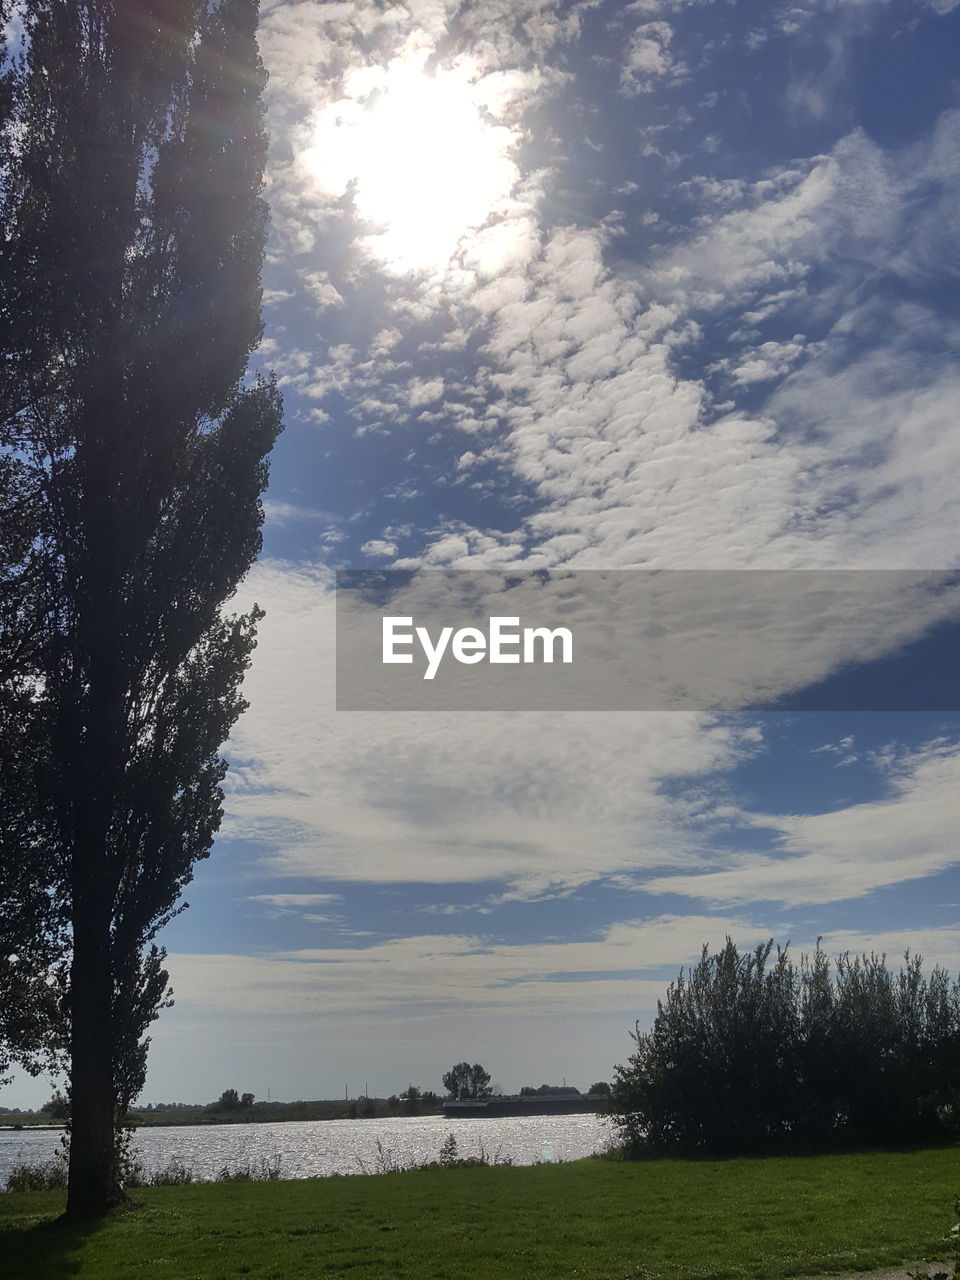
427	165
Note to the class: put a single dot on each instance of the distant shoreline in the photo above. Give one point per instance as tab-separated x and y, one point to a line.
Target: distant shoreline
374	1109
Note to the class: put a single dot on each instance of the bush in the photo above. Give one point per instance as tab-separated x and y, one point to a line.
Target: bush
746	1055
449	1158
174	1174
49	1175
261	1170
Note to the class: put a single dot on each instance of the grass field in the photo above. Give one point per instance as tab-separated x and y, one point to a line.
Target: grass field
588	1220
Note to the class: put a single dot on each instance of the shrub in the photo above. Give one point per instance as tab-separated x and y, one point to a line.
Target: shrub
746	1055
448	1151
260	1170
48	1175
173	1174
449	1158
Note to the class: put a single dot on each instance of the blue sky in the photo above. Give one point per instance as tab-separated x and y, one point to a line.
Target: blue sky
671	285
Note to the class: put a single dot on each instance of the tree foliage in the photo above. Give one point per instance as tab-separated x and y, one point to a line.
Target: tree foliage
752	1053
549	1091
411	1098
464	1081
131	160
231	1100
32	924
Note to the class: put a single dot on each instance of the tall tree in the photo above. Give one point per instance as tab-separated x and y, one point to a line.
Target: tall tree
28	934
32	933
131	168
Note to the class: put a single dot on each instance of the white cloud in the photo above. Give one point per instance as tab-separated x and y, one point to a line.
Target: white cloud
580	395
322	290
768	361
423	391
847	853
535	801
328	63
294	900
647	57
432	975
935	945
278	512
849	463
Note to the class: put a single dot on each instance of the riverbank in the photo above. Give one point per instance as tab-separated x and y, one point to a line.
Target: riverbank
259	1113
591	1219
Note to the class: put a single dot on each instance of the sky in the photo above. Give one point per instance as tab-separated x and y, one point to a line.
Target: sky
663	285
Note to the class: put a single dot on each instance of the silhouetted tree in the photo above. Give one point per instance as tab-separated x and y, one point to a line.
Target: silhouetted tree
466	1081
32	923
131	161
549	1091
745	1055
58	1108
411	1100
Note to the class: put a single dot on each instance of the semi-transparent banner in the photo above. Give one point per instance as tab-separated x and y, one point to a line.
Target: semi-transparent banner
636	639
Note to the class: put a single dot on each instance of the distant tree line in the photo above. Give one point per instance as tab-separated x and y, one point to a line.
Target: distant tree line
751	1053
230	1100
549	1091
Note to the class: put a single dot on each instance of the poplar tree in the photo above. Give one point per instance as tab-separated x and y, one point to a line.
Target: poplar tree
133	229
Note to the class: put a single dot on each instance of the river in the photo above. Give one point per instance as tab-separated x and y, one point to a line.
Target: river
318	1148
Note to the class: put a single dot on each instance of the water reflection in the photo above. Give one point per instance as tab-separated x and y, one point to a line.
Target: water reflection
317	1148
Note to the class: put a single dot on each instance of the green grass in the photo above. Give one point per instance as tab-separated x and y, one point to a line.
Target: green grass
589	1220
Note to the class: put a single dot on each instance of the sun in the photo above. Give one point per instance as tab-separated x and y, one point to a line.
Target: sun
427	162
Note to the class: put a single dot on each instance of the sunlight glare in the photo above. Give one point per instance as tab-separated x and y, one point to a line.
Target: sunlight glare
427	166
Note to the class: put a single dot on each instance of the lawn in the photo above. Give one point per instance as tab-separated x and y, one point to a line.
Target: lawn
589	1220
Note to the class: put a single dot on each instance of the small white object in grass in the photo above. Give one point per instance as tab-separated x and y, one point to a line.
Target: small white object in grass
548	1155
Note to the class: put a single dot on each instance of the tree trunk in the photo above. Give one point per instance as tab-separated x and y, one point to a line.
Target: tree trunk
93	1185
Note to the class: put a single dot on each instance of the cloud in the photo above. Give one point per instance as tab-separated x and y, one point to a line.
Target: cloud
768	361
848	460
935	945
657	414
847	853
278	512
423	391
322	290
433	977
532	801
647	58
294	900
331	65
379	547
843	750
430	975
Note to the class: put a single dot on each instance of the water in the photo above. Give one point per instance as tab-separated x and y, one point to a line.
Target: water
318	1148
